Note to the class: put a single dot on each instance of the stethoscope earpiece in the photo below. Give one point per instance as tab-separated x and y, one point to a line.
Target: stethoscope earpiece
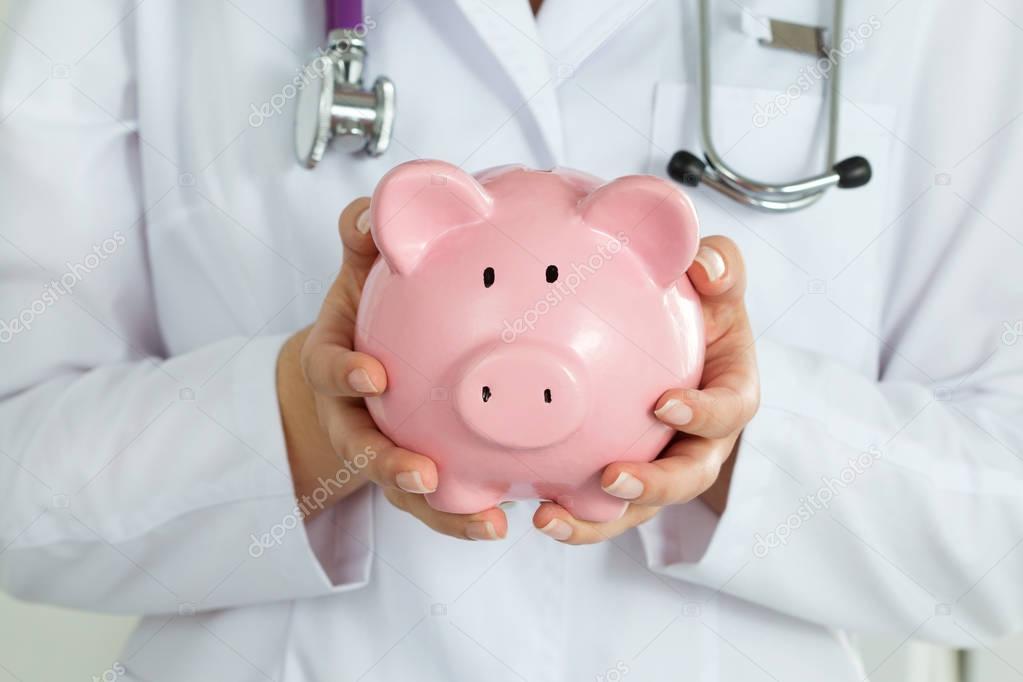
686	168
853	172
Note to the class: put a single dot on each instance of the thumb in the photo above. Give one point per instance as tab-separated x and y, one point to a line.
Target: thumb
718	271
718	274
331	366
359	250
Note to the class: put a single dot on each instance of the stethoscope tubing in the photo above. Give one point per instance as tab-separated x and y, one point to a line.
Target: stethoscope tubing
343	14
774	197
756	189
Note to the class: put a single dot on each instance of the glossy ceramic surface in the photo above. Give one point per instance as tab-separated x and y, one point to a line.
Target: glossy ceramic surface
529	321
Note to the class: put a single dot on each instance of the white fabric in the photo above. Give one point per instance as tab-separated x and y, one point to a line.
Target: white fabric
142	465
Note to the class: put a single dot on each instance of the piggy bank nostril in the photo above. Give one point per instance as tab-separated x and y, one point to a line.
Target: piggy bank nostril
486	393
547	397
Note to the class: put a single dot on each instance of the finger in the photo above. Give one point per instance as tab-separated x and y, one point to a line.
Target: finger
719	276
334	370
330	365
400	469
490	524
718	272
360	252
556	522
725	405
386	464
684	471
730	393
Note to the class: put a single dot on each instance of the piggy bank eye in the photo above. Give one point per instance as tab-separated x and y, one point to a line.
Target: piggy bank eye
552	273
488	277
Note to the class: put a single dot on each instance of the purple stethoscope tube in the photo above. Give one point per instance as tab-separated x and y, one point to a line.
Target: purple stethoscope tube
343	14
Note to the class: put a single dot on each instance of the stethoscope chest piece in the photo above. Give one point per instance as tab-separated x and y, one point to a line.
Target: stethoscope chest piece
335	106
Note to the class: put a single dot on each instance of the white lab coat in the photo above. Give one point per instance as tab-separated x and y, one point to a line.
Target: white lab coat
142	463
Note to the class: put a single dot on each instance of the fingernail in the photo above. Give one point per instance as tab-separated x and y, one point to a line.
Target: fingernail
557	529
362	222
712	261
481	530
359	379
412	482
626	487
675	412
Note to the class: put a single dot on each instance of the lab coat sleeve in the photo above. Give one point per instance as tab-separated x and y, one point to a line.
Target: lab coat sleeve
894	502
889	507
129	481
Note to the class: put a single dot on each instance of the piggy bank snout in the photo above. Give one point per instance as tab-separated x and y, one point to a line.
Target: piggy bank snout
523	396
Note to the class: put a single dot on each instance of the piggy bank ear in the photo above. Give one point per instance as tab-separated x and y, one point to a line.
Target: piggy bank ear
419	201
654	215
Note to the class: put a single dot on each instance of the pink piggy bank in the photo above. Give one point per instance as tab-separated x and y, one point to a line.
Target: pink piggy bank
528	322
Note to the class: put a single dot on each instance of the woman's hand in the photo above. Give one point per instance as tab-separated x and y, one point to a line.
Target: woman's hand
334	447
697	463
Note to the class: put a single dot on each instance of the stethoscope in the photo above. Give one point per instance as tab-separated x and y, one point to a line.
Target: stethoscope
333	105
342	110
690	170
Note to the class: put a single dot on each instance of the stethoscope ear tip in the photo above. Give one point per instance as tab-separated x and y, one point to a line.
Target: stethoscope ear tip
853	172
686	168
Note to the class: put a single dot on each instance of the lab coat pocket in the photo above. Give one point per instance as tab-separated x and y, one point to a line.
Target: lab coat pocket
813	272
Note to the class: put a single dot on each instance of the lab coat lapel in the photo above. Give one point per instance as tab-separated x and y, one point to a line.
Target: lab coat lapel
571	34
510	33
